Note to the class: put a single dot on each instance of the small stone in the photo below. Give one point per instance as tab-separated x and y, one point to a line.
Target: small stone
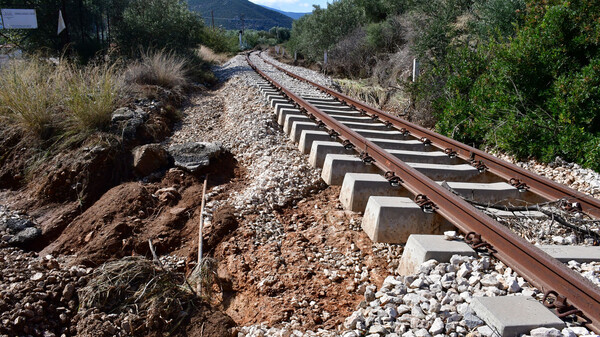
422	333
471	320
568	333
490	280
486	331
545	332
37	276
437	327
377	329
450	235
579	330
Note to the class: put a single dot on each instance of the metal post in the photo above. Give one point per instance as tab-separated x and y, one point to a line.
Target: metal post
212	17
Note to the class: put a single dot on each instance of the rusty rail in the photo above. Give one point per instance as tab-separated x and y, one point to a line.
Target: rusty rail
539	268
541	186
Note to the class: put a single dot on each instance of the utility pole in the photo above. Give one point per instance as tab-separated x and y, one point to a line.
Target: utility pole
242	18
212	16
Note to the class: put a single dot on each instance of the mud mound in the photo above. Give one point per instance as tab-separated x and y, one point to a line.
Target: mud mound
223	223
122	221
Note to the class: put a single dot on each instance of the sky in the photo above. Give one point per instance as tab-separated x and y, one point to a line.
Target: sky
300	6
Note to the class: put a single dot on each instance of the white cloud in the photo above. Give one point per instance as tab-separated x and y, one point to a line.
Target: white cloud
305	5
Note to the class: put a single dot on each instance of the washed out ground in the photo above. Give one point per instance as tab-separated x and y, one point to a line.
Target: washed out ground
287	253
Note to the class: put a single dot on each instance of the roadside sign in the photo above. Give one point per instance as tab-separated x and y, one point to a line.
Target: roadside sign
19	19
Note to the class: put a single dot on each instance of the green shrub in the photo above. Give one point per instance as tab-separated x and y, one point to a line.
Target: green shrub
538	95
160	24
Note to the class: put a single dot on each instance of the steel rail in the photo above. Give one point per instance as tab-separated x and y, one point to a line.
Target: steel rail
539	185
539	268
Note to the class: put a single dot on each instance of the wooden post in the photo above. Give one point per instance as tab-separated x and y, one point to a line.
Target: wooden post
201	222
415	70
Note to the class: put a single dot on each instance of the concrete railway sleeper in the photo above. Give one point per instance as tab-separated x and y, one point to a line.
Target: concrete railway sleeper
322	121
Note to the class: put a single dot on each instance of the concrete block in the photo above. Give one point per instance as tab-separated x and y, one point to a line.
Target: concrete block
320	149
307	137
514	315
348	112
482	192
291	118
358	187
298	127
275	101
394	219
366	126
336	166
283	112
401	144
431	157
581	254
332	105
350	118
461	172
420	248
280	106
385	134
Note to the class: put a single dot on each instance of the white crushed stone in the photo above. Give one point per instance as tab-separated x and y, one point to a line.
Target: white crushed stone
435	301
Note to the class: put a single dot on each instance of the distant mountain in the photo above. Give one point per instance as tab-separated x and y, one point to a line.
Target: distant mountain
235	14
293	15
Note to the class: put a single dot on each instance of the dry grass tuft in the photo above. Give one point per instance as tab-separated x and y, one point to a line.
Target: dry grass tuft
135	283
159	68
27	96
209	55
47	100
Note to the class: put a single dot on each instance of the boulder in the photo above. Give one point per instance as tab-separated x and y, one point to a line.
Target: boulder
194	156
149	158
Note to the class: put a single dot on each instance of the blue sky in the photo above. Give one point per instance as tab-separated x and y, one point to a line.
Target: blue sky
292	5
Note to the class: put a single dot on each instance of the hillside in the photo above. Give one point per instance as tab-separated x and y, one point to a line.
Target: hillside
229	14
293	15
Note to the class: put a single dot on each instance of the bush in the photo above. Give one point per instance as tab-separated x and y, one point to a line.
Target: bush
160	24
161	68
538	95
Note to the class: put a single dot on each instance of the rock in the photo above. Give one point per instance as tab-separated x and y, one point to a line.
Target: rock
471	320
352	320
149	158
370	294
68	291
167	194
512	286
422	333
579	330
194	156
486	331
545	332
37	276
450	235
437	327
568	333
350	334
122	114
25	236
490	280
17	225
377	329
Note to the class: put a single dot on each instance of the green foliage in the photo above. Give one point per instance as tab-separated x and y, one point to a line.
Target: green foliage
538	95
220	40
313	34
159	24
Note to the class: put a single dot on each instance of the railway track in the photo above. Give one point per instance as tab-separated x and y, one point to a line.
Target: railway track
412	160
